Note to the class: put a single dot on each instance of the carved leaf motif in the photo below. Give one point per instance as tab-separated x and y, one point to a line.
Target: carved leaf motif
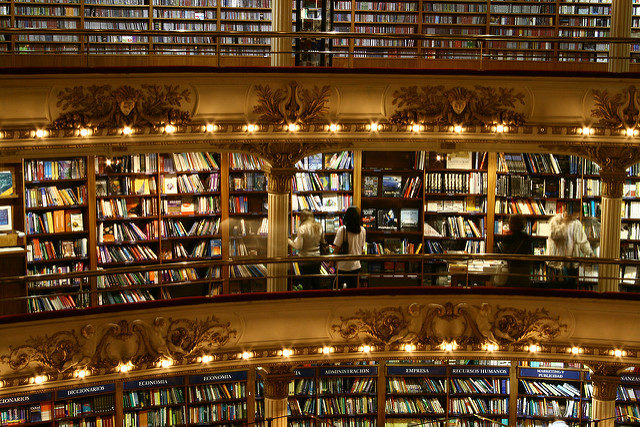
272	109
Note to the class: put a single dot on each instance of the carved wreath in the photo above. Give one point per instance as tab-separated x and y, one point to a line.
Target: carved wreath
435	105
291	105
137	341
434	323
103	107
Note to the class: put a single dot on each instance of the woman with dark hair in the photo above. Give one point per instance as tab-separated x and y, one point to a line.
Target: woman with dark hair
307	243
518	242
350	240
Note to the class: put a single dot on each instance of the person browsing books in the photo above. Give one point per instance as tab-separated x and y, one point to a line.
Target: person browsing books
517	242
307	243
350	240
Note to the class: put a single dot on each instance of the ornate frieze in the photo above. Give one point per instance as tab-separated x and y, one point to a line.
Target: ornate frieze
107	107
437	105
462	322
105	346
620	110
276	379
292	104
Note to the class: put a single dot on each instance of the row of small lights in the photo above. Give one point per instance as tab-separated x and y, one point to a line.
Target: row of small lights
445	346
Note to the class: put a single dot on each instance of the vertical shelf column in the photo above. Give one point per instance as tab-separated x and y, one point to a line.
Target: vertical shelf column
278	187
621	14
91	223
356	183
612	184
276	392
281	55
492	167
224	220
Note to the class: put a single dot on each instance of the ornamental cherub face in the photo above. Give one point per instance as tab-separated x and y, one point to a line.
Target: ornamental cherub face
126	106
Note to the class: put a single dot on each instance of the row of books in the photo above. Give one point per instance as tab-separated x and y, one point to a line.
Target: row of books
475	247
145	398
393	246
51	170
528	163
240	204
470	204
218	412
240	227
480	385
539	187
548	408
341	405
44	197
549	389
211	392
127	279
341	160
58	221
241	161
30	414
67	267
38	250
322	182
389	219
191	206
416	405
448	182
189	184
302	386
172	416
415	385
521	206
472	405
631	210
321	203
134	163
188	162
90	405
294	409
125	254
248	270
248	181
202	227
101	421
201	249
127	232
532	227
342	385
126	208
124	297
112	186
50	303
455	226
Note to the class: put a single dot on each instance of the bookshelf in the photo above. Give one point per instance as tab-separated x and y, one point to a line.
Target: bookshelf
117	15
33	408
219	398
416	394
479	390
245	15
627	399
259	419
185	15
156	401
47	14
546	394
57	224
247	221
94	405
392	199
347	395
303	398
584	19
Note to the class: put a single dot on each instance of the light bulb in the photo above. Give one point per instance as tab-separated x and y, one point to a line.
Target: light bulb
211	128
365	349
84	132
457	129
127	130
40	133
252	128
374	127
334	127
246	355
416	128
293	127
170	129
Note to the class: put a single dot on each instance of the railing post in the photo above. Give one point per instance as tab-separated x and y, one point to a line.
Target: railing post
281	21
621	13
612	182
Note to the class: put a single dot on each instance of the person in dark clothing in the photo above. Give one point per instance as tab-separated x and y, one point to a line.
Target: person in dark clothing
517	242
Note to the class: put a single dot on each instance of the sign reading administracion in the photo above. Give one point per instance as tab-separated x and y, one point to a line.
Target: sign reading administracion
154	382
479	370
22	400
83	391
218	377
559	374
350	371
416	370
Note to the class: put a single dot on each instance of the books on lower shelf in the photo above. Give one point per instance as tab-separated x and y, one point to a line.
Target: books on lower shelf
53	170
217	397
328	202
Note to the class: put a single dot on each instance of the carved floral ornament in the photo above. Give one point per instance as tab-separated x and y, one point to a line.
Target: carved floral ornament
462	322
291	104
102	106
105	346
617	111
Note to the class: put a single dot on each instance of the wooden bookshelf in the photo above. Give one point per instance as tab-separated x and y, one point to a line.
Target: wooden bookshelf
348	393
86	405
219	398
157	401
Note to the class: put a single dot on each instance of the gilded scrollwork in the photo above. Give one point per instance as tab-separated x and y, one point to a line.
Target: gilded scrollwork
106	107
276	380
437	105
620	110
107	345
464	323
292	104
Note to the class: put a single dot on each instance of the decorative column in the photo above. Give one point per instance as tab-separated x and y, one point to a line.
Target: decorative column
278	187
276	381
621	12
281	50
610	223
605	381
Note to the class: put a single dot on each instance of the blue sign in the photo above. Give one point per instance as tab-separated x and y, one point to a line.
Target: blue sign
351	371
416	370
480	371
218	377
154	383
629	379
83	391
553	374
305	372
21	400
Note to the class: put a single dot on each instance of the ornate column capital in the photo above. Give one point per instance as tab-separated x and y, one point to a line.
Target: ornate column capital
276	381
279	180
613	182
605	379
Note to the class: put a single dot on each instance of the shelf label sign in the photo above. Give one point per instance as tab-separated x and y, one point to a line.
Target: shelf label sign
83	391
349	371
559	374
154	382
480	370
416	370
218	377
305	372
20	400
630	379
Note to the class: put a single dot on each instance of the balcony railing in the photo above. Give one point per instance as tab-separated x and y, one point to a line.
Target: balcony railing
93	48
136	284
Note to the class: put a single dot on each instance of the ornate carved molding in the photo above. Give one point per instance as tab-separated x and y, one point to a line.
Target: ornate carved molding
105	346
285	154
279	180
276	381
462	322
104	107
621	110
436	105
291	104
606	379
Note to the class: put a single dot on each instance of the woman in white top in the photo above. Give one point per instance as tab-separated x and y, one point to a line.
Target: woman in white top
567	239
307	243
353	233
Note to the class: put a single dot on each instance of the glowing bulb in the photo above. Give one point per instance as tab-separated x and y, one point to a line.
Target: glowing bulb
211	128
374	127
127	130
490	347
619	353
1	135
533	348
40	379
365	349
457	129
206	358
81	373
84	132
40	133
333	127
246	355
170	129
409	347
327	350
165	363
293	127
629	132
285	352
416	128
125	367
500	128
252	128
